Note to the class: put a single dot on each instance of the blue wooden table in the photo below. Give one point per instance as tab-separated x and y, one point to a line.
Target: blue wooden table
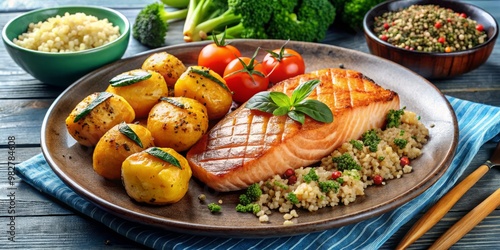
41	222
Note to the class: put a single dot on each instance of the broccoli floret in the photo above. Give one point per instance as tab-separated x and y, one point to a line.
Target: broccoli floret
311	176
346	162
308	20
213	207
249	208
254	192
371	139
151	26
292	198
393	119
354	12
327	186
244	200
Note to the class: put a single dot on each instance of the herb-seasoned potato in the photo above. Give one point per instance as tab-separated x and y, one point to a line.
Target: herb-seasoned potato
116	145
95	115
169	66
142	95
156	180
206	86
177	122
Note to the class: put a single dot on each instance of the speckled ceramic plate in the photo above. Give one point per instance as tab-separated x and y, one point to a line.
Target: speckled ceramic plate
72	162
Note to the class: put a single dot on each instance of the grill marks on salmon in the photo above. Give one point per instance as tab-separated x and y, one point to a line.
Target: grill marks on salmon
248	146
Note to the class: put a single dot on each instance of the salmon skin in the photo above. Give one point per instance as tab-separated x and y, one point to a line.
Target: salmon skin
248	146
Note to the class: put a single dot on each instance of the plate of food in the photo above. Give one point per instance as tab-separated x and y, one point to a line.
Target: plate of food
310	176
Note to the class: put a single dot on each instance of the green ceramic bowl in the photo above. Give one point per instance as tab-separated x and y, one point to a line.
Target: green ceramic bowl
62	69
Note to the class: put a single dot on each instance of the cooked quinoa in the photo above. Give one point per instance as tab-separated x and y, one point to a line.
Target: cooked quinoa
68	33
315	187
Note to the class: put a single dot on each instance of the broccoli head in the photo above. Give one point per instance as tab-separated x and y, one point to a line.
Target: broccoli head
308	20
151	26
354	12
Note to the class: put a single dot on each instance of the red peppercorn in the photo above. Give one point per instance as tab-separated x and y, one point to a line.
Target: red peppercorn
377	180
441	39
289	172
438	25
479	27
386	26
404	161
336	175
292	180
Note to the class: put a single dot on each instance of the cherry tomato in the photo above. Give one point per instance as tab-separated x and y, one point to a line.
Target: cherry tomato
216	56
245	79
438	25
282	64
404	161
336	174
479	27
377	180
384	37
441	39
386	26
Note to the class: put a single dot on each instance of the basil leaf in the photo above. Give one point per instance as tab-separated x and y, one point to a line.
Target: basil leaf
303	90
164	156
129	78
281	111
316	110
262	101
297	116
128	132
281	99
101	97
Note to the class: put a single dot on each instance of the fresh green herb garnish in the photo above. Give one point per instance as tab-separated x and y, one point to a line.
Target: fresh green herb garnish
357	144
394	118
371	139
311	176
128	132
173	102
327	186
281	185
164	156
101	97
401	143
206	74
346	162
296	106
292	198
127	79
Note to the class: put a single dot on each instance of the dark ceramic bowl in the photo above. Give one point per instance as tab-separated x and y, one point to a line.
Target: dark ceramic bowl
62	69
427	64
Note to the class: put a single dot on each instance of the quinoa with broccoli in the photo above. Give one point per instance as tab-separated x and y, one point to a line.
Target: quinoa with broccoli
429	28
380	155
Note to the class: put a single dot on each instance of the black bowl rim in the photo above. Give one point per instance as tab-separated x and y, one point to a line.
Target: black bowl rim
123	35
370	33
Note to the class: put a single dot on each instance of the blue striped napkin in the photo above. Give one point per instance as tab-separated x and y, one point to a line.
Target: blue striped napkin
477	123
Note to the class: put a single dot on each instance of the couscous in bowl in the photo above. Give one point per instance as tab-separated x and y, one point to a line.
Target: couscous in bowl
63	68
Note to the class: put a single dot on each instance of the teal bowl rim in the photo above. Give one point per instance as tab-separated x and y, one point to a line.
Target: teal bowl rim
124	34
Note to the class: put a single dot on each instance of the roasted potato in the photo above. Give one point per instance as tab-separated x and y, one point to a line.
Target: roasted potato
206	86
150	179
169	66
116	145
177	122
95	115
141	95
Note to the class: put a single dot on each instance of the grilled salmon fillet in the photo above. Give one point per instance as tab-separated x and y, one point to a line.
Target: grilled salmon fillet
248	146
